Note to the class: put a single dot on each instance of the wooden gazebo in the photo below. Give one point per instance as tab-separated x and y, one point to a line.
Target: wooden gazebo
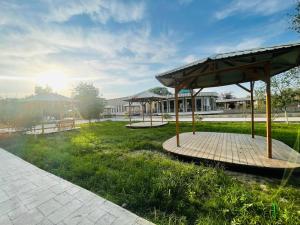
56	103
146	97
227	69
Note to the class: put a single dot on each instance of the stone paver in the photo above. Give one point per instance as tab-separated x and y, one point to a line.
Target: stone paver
31	196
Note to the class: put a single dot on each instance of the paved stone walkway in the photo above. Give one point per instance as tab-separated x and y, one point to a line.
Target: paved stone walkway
31	196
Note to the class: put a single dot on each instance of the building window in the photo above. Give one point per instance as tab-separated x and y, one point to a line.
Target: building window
198	104
172	106
165	105
189	105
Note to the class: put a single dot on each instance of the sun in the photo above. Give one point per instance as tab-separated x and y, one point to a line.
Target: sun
56	80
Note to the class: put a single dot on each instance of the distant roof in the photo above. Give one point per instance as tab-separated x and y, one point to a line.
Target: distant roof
200	94
51	97
184	91
233	67
145	96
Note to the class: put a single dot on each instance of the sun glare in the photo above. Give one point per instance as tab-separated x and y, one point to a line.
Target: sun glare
57	81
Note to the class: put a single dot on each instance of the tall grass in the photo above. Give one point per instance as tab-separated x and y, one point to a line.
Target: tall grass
130	168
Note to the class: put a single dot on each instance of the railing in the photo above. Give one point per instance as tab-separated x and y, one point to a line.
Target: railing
50	127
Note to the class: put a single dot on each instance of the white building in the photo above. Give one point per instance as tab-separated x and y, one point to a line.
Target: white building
204	102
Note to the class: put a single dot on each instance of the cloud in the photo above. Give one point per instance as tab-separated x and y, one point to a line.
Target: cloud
262	7
236	46
98	10
189	59
31	44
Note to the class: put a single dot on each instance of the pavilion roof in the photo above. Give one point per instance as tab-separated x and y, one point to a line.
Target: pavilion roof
145	96
50	97
233	67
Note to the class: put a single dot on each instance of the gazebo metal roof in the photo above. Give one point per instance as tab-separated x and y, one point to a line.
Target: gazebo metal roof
233	67
145	96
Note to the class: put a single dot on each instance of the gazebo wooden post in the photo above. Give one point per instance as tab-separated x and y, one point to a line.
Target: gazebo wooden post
177	117
143	111
129	111
252	108
193	110
150	113
162	111
268	109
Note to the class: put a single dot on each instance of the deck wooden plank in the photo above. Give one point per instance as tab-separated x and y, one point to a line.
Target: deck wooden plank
232	148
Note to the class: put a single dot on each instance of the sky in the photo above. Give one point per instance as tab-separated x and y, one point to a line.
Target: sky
120	46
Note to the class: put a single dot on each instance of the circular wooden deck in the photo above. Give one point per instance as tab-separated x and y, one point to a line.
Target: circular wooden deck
146	124
235	149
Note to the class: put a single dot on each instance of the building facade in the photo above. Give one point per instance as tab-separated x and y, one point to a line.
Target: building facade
235	104
204	102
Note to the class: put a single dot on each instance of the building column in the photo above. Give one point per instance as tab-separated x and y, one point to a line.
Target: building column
186	104
162	111
129	112
168	105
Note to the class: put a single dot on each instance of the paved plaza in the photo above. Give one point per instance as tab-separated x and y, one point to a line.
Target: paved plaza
30	196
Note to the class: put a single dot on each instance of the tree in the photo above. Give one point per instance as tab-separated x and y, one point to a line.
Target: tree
227	95
296	19
88	102
39	90
284	90
160	91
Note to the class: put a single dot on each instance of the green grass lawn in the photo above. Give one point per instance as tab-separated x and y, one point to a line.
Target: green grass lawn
130	168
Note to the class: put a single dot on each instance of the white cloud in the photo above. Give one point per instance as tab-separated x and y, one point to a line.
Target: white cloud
189	59
262	7
29	45
97	10
243	44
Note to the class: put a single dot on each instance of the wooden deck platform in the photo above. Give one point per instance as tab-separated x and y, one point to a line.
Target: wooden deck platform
234	149
146	124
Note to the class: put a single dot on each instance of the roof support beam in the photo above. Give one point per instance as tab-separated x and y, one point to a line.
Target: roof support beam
244	88
247	66
198	92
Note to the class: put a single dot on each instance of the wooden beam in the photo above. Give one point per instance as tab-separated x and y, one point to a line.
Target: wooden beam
252	108
177	117
241	86
198	92
268	110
